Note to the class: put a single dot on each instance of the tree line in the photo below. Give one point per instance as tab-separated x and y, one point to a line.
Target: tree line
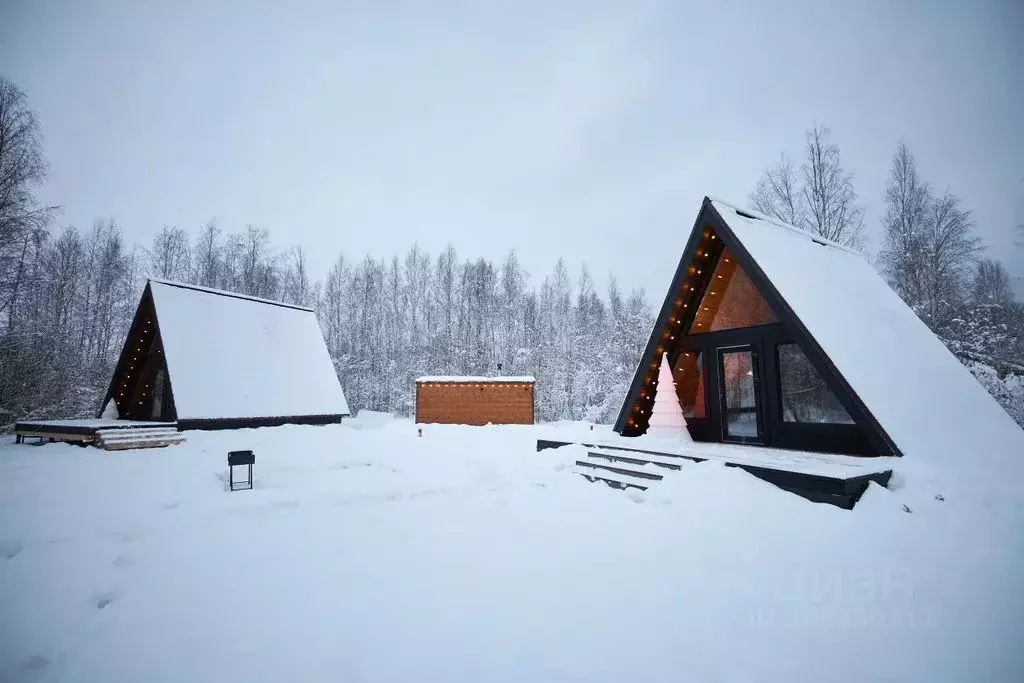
67	295
385	321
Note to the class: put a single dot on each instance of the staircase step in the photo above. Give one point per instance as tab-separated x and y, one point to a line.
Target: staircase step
123	441
131	433
129	445
132	437
620	480
637	471
665	461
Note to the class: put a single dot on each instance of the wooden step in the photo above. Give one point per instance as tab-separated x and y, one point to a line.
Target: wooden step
667	461
130	437
124	439
129	445
613	478
620	468
108	433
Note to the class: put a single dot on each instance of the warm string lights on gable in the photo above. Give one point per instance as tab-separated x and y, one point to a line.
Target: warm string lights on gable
688	292
144	340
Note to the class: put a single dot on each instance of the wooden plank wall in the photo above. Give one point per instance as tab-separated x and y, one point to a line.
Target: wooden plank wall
474	403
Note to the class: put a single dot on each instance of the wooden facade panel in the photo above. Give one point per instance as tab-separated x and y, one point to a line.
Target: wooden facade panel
475	403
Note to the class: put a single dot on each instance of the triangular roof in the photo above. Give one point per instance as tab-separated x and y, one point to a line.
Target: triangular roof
906	388
234	357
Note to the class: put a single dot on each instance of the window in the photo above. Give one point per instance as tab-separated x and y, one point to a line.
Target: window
731	300
689	376
804	396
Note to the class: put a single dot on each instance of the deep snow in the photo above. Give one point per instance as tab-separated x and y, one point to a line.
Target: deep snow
366	553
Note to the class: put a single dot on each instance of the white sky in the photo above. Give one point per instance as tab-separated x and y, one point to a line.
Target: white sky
589	130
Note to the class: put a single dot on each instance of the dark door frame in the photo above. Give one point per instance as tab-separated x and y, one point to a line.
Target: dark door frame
754	349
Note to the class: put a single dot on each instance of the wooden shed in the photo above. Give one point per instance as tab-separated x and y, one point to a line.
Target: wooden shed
474	400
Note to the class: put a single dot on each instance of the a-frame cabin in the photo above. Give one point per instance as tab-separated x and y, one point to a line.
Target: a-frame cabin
782	339
211	359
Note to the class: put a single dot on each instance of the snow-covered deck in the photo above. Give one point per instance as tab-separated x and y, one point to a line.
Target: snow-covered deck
92	425
78	430
823	477
831	465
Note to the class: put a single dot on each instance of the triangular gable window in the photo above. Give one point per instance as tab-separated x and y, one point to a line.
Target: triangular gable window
731	300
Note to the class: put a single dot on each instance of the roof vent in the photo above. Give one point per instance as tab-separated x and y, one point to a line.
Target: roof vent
746	215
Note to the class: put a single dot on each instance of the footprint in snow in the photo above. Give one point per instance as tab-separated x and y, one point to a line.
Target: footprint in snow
101	600
8	549
170	506
123	561
35	663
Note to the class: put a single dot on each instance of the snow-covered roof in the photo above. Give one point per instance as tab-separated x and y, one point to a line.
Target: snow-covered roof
453	379
232	356
224	292
927	402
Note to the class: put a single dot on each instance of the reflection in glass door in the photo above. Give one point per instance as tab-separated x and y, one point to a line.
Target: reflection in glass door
741	419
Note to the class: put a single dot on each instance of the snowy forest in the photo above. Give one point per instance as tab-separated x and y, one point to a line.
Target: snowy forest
67	293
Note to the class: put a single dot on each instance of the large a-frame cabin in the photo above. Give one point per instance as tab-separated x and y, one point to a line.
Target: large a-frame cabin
211	359
782	339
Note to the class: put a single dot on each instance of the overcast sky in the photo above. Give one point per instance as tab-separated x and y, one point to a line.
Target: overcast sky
579	129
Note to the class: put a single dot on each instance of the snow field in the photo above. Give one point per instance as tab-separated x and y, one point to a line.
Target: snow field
366	553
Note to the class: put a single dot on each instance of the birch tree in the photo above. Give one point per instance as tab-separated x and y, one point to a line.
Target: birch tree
820	199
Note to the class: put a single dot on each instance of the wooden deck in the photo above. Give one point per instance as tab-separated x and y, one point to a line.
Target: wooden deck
106	434
823	478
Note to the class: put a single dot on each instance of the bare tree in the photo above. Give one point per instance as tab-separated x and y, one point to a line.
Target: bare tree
950	252
992	283
832	208
170	257
296	286
208	256
929	249
22	170
903	247
820	199
778	193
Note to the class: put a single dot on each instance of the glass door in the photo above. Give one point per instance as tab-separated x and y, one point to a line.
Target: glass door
739	382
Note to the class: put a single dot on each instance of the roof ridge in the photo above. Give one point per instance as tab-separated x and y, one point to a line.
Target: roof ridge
756	215
224	292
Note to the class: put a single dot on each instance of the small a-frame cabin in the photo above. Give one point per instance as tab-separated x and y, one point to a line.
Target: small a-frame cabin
782	339
210	359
